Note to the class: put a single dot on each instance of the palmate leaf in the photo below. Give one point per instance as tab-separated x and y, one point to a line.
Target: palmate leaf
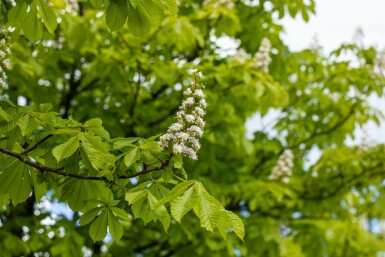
48	16
90	215
228	220
161	212
114	226
98	228
32	27
66	149
96	151
95	126
17	14
144	17
132	156
207	209
77	192
169	6
183	204
15	181
116	14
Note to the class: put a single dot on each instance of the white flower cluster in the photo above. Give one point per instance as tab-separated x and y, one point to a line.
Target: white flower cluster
183	136
282	171
240	56
262	57
5	51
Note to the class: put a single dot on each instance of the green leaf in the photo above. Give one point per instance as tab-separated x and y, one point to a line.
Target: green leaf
183	204
141	209
96	151
90	215
120	213
15	181
169	6
138	23
237	225
228	220
123	142
132	156
5	115
98	229
95	126
66	149
77	192
97	3
48	16
17	14
175	192
207	208
161	212
114	226
116	14
133	197
32	27
150	146
59	3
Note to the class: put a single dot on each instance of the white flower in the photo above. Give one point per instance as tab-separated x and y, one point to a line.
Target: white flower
241	56
199	94
192	71
182	135
190	118
178	148
175	127
203	103
189	101
262	57
188	91
2	54
197	130
200	122
181	138
284	167
200	75
199	111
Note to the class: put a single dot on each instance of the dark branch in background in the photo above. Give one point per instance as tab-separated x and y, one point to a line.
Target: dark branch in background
137	90
169	113
344	183
72	91
60	171
330	130
314	135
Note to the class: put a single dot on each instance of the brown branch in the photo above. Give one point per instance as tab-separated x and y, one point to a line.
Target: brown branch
61	172
36	145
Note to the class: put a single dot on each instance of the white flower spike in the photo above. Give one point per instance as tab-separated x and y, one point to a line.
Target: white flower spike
183	136
282	171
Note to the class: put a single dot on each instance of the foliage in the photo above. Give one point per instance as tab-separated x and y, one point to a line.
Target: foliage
92	104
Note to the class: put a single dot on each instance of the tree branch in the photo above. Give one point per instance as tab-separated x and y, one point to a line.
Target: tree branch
61	172
36	145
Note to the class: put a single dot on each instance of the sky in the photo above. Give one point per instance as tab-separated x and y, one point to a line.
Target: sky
335	23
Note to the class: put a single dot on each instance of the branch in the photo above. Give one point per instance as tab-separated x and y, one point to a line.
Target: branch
315	134
344	183
61	172
36	145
